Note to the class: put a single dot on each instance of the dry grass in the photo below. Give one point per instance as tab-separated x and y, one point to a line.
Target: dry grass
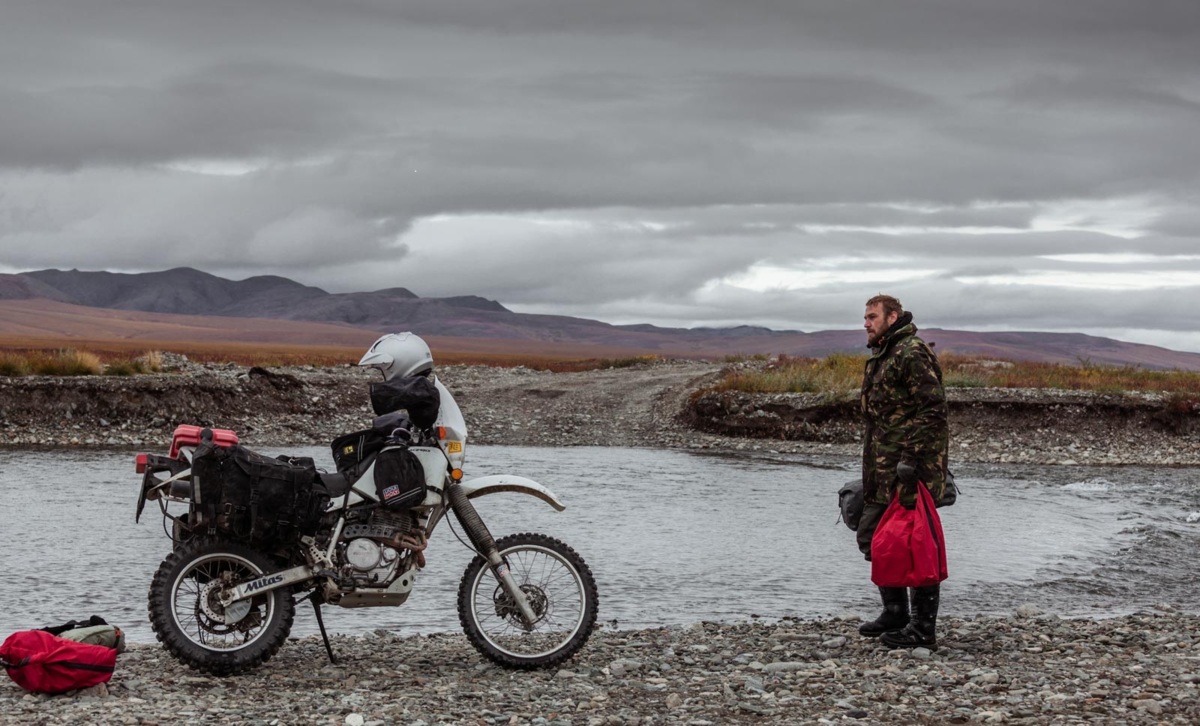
72	362
150	352
834	373
843	373
68	362
13	364
152	360
968	371
136	366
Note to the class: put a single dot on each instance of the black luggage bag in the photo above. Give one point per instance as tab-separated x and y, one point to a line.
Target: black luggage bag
353	452
416	394
255	498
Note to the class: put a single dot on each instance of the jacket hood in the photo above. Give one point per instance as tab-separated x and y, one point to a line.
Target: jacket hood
903	326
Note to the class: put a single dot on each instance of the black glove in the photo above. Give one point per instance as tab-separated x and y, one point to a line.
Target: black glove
906	475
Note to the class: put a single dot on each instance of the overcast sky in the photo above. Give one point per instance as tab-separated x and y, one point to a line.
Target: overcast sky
998	164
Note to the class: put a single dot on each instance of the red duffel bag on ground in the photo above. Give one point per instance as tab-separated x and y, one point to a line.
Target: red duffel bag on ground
45	663
908	548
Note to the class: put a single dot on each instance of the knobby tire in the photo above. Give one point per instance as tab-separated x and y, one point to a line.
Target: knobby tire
185	558
479	579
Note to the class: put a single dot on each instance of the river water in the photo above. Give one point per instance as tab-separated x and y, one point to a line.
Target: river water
672	537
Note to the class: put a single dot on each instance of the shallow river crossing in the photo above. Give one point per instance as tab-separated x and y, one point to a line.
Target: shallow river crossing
672	536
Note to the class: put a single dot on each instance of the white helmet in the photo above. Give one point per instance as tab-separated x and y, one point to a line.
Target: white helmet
399	355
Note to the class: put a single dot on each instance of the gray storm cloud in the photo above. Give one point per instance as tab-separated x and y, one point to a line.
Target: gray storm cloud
679	162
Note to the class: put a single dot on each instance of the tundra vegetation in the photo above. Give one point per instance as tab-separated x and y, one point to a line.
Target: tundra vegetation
32	356
842	374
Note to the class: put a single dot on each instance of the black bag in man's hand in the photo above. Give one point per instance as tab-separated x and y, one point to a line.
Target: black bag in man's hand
850	502
950	493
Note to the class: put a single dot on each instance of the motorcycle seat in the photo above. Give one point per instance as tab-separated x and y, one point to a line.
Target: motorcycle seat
336	484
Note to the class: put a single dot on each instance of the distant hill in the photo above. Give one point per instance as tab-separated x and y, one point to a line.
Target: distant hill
74	303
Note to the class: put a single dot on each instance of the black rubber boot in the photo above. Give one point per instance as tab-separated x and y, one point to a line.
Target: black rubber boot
921	630
894	616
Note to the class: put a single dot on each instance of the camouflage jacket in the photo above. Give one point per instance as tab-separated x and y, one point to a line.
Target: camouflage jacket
904	412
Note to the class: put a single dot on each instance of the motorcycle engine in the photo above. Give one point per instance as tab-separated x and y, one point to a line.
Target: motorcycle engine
370	559
369	555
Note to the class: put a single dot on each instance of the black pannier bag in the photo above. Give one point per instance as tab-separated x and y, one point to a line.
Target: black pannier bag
399	478
415	394
252	497
351	451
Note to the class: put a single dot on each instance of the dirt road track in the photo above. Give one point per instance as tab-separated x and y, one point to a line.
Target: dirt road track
635	406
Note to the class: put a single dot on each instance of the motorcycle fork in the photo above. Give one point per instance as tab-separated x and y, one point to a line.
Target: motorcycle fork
483	542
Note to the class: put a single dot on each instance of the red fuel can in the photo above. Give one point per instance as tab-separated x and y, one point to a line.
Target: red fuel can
188	435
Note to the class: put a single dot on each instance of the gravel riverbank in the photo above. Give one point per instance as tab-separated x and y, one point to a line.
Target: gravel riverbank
1028	668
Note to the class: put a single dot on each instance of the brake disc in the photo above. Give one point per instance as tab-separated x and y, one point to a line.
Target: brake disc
210	603
507	608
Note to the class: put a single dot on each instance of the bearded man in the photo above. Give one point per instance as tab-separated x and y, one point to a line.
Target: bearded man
905	440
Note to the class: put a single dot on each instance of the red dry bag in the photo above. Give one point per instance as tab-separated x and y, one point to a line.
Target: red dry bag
908	549
45	663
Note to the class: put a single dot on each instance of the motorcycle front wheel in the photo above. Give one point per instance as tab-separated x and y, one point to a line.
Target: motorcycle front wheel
560	590
187	615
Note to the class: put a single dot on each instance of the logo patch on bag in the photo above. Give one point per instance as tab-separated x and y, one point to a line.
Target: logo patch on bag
399	478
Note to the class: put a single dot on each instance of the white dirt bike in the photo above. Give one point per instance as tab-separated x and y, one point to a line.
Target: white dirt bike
254	535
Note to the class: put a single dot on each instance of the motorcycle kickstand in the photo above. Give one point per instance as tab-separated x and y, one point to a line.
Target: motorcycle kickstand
311	597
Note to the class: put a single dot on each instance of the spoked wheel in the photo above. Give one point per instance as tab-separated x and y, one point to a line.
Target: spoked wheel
559	588
187	615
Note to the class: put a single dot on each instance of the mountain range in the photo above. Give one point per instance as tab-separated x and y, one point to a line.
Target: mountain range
183	302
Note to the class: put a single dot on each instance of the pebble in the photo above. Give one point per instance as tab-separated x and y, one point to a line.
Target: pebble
784	667
1028	610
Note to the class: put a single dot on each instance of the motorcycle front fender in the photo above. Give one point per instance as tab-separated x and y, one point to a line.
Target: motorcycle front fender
497	483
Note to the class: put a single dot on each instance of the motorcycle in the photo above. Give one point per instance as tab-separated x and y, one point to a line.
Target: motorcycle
223	600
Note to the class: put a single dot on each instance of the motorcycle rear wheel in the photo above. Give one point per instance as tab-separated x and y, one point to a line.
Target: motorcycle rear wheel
193	626
560	589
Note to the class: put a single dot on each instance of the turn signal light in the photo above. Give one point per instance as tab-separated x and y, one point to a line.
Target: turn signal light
141	460
456	474
441	432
